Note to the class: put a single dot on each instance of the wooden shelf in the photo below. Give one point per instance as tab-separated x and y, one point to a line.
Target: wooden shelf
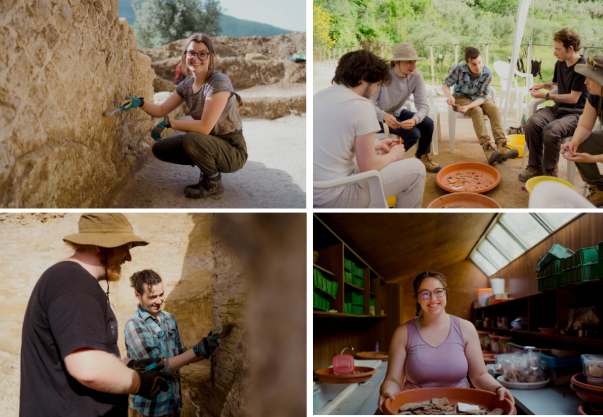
343	315
372	294
323	269
353	286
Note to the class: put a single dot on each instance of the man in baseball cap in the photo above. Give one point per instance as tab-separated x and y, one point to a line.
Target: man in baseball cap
389	104
70	362
586	146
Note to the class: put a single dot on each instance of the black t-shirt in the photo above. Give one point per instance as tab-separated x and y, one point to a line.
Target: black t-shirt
67	311
569	80
594	101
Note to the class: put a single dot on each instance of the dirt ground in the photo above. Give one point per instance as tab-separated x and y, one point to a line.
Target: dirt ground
508	193
273	177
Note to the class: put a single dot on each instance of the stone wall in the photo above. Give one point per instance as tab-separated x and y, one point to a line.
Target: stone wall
63	63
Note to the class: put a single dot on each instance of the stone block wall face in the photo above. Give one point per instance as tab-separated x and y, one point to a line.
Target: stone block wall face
63	63
180	251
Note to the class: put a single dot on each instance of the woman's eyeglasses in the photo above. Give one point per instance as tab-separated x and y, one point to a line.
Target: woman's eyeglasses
591	63
202	55
426	295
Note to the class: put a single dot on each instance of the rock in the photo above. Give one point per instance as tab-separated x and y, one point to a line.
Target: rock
256	57
440	401
159	84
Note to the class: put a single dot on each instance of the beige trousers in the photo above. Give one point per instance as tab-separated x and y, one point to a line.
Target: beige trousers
488	108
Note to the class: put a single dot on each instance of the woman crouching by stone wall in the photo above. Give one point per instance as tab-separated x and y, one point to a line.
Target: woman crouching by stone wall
214	141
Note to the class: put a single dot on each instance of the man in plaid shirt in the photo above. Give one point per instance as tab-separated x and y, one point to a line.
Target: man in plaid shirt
153	333
471	80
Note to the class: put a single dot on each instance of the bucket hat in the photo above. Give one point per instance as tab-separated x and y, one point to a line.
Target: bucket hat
405	52
108	230
593	68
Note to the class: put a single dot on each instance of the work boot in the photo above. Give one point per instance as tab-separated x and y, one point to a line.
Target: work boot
206	187
530	172
507	153
596	195
492	154
430	166
551	172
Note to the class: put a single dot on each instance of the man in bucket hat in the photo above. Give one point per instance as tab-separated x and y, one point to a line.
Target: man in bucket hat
586	146
471	80
70	362
389	101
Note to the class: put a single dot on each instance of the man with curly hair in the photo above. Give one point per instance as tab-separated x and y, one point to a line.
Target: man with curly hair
545	129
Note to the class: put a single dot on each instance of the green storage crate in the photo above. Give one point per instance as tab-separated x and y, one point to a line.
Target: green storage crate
600	245
552	268
584	256
349	265
358	282
582	274
372	302
347	308
545	283
556	252
315	302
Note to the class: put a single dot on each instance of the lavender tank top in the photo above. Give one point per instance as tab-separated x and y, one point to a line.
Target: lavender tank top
442	366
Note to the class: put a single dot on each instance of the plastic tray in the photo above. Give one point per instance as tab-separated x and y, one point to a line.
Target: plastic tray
463	201
488	177
553	362
353	298
556	252
320	302
581	274
521	385
548	283
584	256
552	268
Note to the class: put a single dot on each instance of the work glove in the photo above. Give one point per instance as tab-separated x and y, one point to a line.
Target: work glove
143	364
206	346
152	383
131	103
159	131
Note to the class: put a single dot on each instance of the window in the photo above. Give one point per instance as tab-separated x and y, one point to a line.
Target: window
511	236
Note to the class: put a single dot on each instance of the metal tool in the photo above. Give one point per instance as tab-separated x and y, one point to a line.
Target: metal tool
122	106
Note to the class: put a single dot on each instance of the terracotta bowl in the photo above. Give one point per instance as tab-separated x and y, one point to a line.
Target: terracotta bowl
588	410
327	375
372	355
588	396
463	201
581	410
547	330
454	395
579	381
488	177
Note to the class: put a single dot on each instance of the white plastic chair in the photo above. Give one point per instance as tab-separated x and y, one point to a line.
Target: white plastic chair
502	69
376	194
571	165
454	115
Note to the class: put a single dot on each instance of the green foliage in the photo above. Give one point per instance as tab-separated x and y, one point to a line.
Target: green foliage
501	7
238	28
159	22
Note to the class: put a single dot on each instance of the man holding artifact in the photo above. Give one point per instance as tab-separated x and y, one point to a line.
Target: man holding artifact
389	101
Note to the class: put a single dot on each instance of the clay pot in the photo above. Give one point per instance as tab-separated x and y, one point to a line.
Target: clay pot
578	380
327	375
373	355
454	395
462	201
588	396
490	174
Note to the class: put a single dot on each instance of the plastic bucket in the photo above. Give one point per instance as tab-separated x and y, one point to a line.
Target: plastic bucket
517	142
498	285
531	183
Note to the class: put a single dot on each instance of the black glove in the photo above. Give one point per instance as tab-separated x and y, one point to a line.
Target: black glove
206	346
152	383
142	364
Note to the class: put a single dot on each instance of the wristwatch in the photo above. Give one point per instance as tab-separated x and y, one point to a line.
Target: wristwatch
547	96
141	101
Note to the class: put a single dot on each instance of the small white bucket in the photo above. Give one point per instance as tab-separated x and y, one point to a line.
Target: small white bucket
498	285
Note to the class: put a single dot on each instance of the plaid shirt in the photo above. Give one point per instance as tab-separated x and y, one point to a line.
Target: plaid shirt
466	85
147	337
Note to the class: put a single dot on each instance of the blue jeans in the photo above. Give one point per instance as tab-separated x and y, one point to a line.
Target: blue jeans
421	132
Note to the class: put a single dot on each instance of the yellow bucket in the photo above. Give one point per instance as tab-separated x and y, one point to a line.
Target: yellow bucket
391	202
517	142
531	183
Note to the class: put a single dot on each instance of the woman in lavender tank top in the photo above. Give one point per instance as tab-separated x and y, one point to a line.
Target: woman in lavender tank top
436	349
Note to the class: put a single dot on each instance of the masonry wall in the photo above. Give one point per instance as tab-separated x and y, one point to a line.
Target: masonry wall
63	63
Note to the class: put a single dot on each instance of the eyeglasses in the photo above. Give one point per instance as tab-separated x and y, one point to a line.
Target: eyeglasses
202	55
591	63
438	292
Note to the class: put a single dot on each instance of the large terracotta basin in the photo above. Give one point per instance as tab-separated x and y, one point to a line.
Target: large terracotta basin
454	395
373	355
578	380
487	176
588	396
463	201
327	375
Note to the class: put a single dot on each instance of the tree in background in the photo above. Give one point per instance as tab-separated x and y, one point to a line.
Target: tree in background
159	22
322	28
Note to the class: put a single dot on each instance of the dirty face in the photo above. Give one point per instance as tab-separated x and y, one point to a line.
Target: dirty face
593	87
560	52
408	67
152	298
116	257
476	65
432	296
369	89
197	57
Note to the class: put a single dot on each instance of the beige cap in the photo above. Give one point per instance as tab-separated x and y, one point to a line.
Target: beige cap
405	52
108	230
593	68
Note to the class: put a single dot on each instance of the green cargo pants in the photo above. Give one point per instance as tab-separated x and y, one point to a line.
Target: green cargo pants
211	153
590	171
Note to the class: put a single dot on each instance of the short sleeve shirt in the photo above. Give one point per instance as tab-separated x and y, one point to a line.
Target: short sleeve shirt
339	116
569	80
594	101
467	86
67	311
230	120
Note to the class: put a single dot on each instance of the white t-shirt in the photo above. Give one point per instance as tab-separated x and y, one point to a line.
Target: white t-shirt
339	116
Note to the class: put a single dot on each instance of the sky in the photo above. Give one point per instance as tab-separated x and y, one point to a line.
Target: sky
285	14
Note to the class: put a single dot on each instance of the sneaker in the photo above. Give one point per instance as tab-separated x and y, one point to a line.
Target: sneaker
596	195
430	166
492	154
507	153
530	172
551	173
206	187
